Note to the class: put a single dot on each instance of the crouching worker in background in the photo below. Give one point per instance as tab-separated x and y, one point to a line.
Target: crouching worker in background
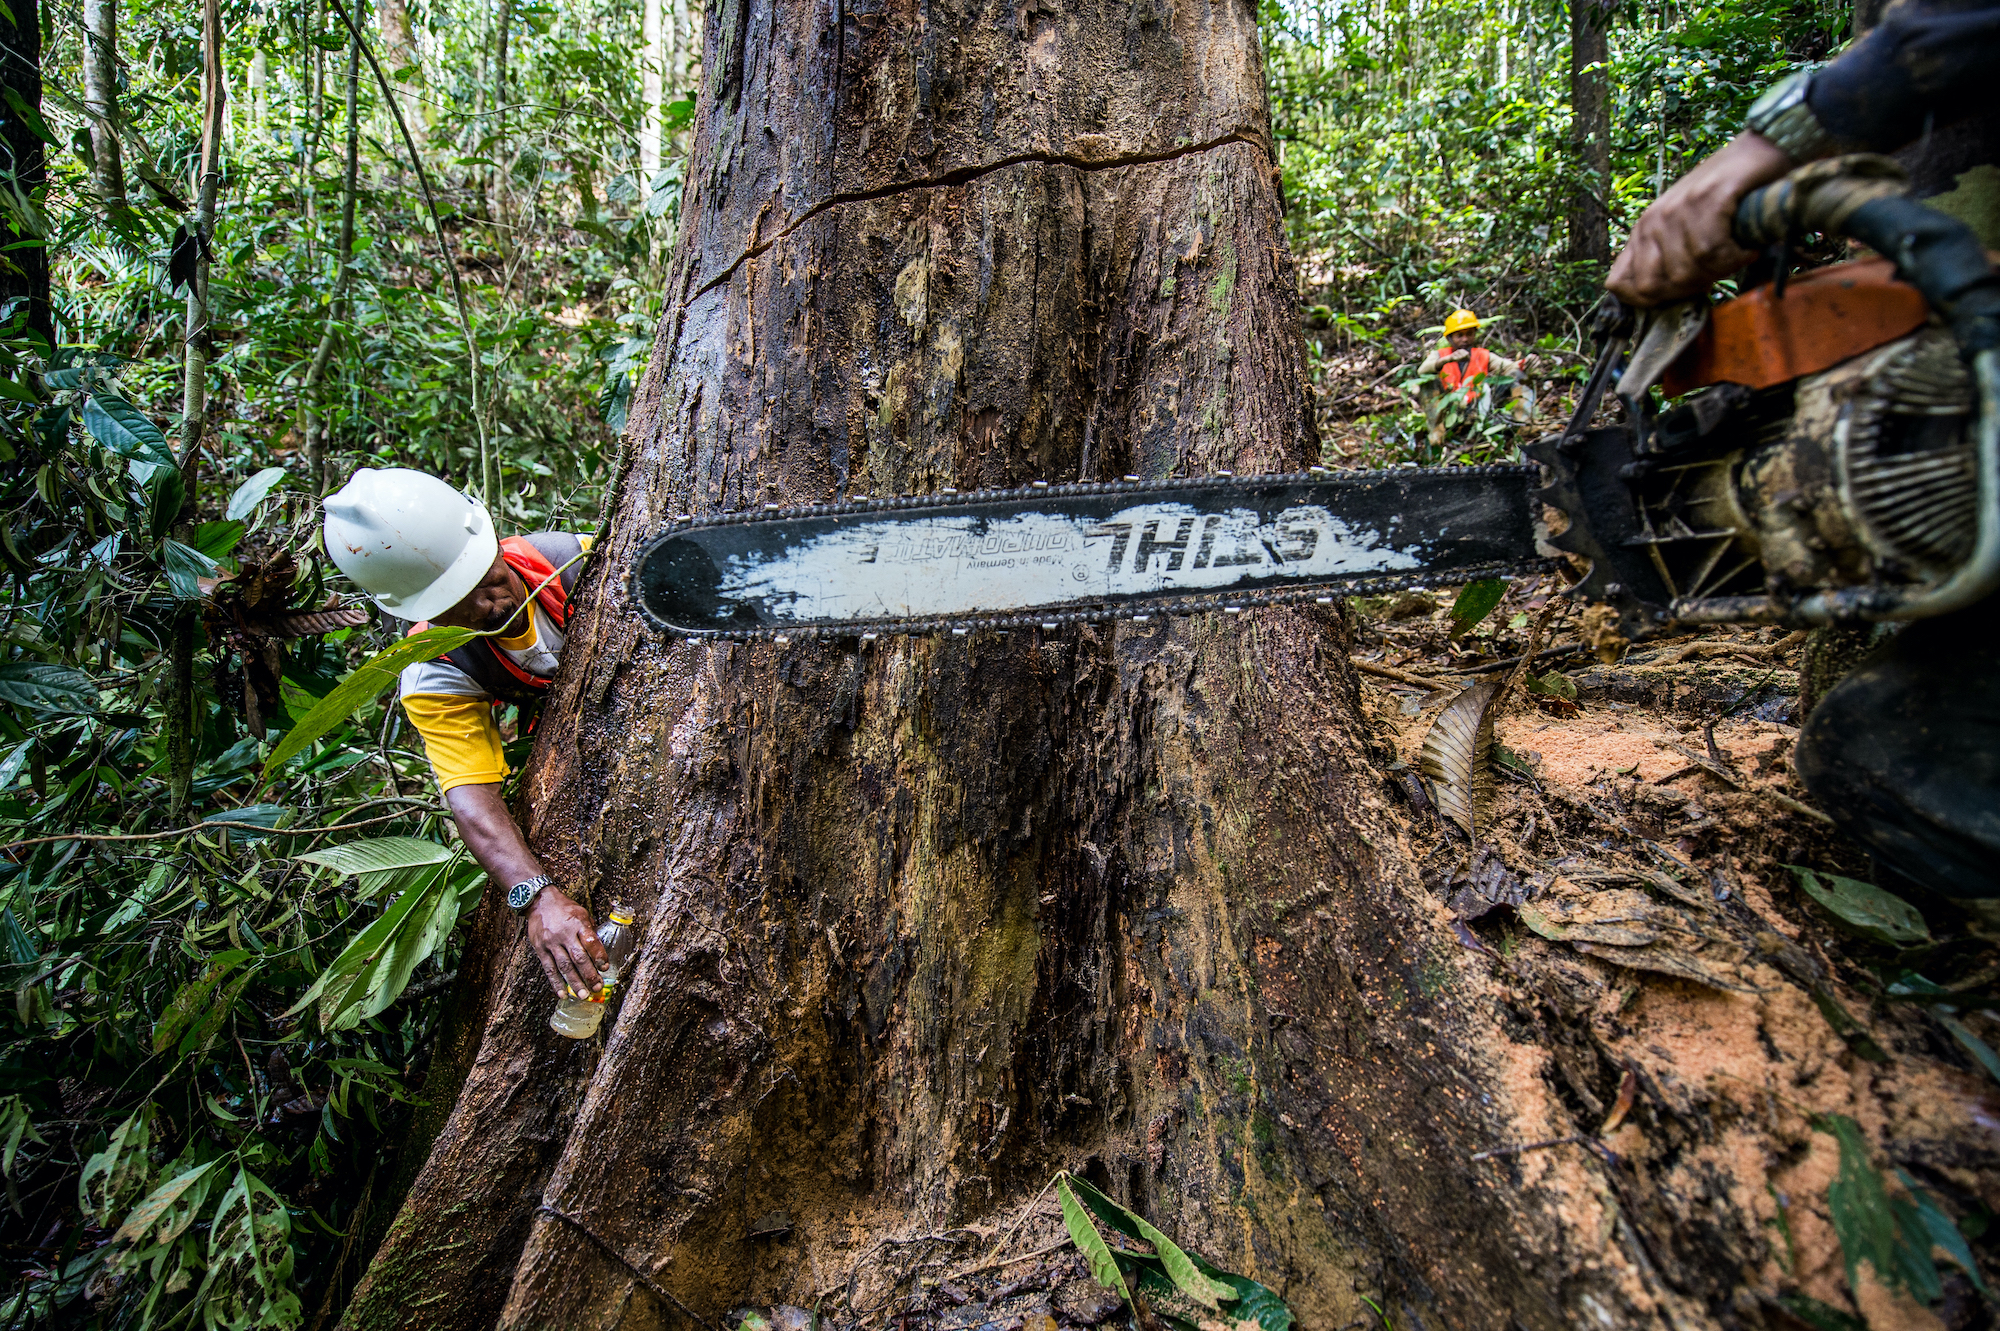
428	554
1462	367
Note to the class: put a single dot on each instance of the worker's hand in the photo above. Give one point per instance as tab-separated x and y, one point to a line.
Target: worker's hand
565	941
1682	243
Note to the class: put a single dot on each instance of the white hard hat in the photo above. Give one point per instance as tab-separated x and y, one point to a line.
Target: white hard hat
412	542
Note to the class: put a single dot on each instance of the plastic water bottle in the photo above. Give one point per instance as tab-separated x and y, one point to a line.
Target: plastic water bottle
579	1018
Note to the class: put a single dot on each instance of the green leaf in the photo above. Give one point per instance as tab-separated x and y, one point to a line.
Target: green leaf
185	565
377	854
255	815
125	430
1865	908
1819	1315
218	540
192	1000
135	905
1552	685
372	676
1164	1299
168	1210
166	493
1476	602
1982	1052
30	117
48	688
376	861
249	1281
15	1125
113	1176
1858	1203
252	493
1185	1274
1103	1266
374	968
1936	1229
16	759
21	949
614	404
1254	1302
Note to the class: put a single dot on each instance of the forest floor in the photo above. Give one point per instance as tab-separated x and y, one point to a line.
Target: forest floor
1632	888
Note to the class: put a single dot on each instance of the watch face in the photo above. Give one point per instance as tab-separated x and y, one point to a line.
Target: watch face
520	894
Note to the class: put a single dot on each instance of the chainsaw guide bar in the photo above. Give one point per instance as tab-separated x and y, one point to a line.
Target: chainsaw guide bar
1049	555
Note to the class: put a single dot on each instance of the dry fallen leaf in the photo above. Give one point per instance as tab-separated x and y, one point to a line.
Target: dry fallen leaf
1628	1091
1457	756
1627	928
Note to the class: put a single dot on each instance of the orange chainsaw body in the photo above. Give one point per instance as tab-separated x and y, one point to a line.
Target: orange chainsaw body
1827	316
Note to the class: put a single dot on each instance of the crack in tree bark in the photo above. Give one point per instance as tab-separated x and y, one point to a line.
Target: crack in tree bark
965	175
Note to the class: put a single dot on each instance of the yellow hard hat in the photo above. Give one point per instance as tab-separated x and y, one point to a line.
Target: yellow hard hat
1459	321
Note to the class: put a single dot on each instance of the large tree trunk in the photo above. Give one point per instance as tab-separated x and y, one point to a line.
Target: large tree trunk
100	98
25	275
927	920
1589	131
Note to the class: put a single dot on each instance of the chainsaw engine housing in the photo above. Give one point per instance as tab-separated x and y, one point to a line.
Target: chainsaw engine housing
1851	494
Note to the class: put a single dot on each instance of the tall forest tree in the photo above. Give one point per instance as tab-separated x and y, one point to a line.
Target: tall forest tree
399	49
100	100
926	920
24	269
1590	131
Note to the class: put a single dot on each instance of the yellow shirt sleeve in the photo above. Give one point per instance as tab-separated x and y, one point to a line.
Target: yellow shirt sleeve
459	738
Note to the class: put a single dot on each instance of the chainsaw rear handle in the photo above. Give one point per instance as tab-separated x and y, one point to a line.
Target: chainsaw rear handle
1861	197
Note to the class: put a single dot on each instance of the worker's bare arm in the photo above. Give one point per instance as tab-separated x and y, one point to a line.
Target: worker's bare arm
561	932
1682	243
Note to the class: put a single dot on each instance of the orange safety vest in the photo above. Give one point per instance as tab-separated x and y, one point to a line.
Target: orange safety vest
492	668
1473	373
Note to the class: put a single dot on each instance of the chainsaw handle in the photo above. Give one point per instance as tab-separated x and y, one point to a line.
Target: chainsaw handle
1819	196
1861	197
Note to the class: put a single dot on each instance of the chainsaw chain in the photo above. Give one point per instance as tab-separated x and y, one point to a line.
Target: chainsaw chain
1226	601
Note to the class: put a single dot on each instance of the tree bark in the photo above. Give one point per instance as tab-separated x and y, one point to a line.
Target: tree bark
927	920
399	50
257	82
25	275
1590	131
652	82
503	25
100	98
183	719
336	307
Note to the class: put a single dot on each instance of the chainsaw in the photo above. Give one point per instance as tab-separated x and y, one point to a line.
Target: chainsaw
1824	449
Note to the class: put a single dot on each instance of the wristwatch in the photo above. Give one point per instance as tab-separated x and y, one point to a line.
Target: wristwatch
522	894
1783	116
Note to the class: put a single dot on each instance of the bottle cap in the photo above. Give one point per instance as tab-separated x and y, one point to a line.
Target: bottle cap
621	915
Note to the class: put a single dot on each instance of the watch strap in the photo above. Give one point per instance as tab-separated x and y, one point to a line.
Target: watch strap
522	894
1785	116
